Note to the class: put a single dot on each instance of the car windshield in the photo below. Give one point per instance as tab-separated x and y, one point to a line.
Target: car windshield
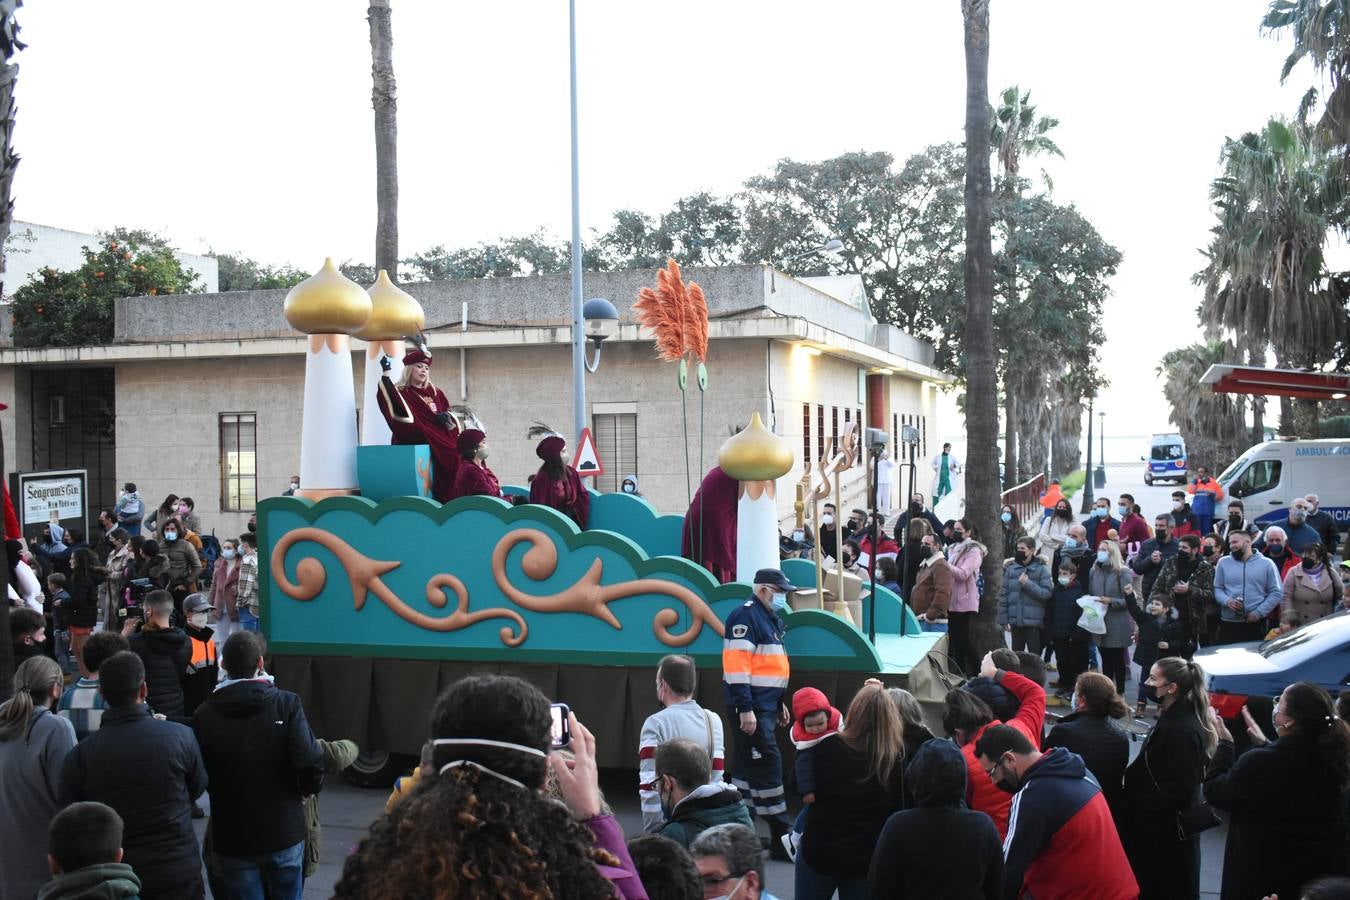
1164	452
1229	472
1308	632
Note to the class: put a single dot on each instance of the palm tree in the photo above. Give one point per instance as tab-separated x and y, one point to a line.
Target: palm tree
1266	279
379	16
1210	423
1017	132
982	486
1321	31
9	73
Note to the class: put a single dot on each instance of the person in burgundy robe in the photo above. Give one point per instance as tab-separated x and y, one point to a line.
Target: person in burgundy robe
423	416
473	476
710	525
557	484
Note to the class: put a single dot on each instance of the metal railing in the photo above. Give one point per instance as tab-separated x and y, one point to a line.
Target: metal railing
1025	499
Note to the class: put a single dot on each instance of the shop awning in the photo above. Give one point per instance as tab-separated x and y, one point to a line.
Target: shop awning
1224	379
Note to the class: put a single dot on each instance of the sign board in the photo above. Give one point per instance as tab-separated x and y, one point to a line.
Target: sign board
44	497
587	460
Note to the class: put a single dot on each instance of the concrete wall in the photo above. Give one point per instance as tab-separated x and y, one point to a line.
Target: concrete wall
32	248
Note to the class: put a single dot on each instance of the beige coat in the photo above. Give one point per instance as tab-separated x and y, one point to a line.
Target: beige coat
1310	601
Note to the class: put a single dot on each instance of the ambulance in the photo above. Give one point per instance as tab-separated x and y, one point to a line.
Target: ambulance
1270	475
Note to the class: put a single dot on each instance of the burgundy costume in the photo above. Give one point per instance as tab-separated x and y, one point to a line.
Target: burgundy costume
567	494
426	404
471	478
711	524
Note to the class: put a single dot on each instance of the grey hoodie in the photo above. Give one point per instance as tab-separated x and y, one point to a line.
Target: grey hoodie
103	881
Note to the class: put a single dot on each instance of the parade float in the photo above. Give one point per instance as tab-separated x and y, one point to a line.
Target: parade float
374	596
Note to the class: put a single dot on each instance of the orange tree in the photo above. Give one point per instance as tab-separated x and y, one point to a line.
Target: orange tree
75	308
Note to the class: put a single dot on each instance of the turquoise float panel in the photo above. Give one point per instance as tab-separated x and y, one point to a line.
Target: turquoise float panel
394	470
633	517
478	579
802	573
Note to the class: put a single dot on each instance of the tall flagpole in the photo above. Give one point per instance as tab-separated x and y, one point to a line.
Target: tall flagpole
578	324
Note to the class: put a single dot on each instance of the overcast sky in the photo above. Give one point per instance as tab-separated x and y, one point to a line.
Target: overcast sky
249	129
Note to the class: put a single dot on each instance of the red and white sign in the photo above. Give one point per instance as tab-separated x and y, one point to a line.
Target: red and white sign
586	460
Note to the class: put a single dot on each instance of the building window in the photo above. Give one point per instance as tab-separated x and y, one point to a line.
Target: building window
861	435
806	436
834	431
923	435
238	461
895	436
820	431
616	442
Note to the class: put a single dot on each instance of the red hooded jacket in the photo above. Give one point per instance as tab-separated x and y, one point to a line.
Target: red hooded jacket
806	701
981	794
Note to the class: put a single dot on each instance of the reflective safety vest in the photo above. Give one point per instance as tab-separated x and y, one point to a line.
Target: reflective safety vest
203	655
754	664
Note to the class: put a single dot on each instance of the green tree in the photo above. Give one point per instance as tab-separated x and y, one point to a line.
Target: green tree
1018	132
1210	423
237	272
75	308
982	482
1266	278
1321	33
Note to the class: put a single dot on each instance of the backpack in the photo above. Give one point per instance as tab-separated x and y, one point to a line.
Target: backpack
210	553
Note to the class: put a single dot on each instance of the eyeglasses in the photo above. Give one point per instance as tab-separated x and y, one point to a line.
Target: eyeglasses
712	881
989	772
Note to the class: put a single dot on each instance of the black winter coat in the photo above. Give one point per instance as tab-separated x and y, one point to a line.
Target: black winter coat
1172	631
263	760
81	610
1105	749
1163	780
1287	823
151	772
165	653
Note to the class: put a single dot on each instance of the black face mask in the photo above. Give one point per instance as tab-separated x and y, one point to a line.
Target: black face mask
1310	562
1207	551
925	551
1235	520
916	509
1020	556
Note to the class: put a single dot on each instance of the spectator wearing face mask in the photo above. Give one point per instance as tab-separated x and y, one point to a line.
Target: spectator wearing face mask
1313	590
1012	530
1133	531
629	485
931	595
1099	523
1110	582
1061	840
916	510
293	487
166	510
1184	520
185	566
965	556
225	589
1188	579
203	668
1274	546
1055	530
129	509
1236	521
1320	520
1021	603
1090	730
1298	532
1061	625
1154	553
828	531
1247	587
755	674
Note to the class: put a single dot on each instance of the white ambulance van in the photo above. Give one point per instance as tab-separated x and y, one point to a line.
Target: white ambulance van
1269	476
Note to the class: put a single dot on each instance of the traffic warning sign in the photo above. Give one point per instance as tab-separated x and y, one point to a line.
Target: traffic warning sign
587	461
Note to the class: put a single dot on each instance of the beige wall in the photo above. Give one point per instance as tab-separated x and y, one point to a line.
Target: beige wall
168	431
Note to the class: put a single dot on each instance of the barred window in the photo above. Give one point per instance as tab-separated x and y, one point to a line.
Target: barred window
616	443
238	461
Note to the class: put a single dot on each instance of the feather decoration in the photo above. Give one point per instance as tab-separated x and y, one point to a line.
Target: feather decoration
466	417
538	431
676	314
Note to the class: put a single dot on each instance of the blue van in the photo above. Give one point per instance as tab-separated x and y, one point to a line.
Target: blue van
1166	459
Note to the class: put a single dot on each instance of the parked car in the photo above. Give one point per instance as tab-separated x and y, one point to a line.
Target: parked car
1166	460
1253	674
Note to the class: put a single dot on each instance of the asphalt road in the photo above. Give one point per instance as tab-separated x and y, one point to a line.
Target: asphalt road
346	812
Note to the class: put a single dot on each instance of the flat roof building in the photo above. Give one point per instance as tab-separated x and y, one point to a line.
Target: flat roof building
201	395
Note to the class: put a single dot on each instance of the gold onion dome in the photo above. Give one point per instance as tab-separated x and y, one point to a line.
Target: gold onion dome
756	454
327	302
394	312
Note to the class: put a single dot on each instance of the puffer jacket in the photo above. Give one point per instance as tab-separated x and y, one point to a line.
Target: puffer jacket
705	807
965	560
165	652
1109	585
1104	746
1024	604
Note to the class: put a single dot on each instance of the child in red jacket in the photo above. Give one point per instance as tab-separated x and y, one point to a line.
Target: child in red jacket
814	720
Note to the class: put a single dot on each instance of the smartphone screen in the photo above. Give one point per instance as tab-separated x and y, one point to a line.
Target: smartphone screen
561	731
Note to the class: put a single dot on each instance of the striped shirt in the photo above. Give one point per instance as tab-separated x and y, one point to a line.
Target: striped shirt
679	720
82	705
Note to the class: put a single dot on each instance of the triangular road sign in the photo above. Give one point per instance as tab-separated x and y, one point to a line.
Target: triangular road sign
587	460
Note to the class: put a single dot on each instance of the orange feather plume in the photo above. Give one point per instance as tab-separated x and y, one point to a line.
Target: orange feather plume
676	315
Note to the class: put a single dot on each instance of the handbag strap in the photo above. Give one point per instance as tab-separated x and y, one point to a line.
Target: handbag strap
707	721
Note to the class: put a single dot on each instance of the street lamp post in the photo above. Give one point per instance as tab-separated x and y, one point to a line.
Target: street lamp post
832	246
1101	447
578	317
1087	472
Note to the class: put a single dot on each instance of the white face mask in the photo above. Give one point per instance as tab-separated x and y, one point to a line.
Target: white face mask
827	519
227	553
197	620
728	896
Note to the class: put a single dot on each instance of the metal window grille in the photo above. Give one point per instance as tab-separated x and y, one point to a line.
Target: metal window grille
834	430
238	461
806	436
616	442
820	431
